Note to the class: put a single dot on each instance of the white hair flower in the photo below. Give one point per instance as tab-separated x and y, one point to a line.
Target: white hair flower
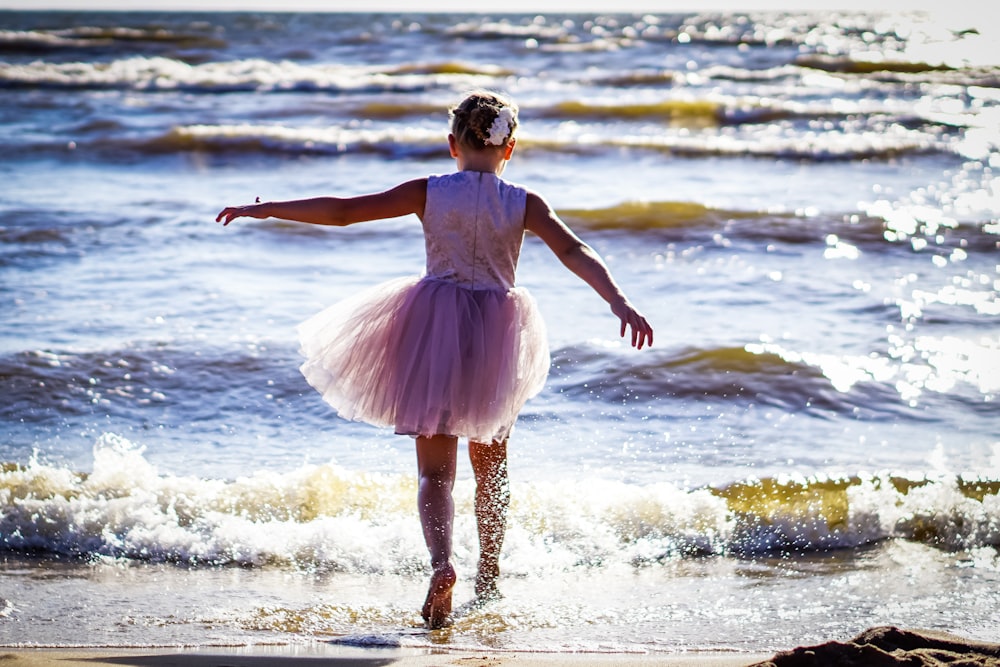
501	127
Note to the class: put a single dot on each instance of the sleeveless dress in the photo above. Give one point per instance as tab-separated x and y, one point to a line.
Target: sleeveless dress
455	352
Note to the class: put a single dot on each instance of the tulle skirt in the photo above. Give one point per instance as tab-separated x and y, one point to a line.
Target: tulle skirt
428	357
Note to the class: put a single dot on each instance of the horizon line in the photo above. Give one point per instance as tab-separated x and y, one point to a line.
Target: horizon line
514	7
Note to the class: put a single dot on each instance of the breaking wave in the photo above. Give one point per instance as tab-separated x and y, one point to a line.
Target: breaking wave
329	517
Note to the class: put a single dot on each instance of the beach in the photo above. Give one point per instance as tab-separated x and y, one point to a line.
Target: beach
883	646
148	658
805	205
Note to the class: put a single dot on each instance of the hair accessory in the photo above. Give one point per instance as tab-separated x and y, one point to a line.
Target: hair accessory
500	129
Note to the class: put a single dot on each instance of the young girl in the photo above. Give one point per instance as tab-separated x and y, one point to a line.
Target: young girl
457	352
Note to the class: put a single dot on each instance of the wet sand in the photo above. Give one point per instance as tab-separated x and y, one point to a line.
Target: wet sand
876	647
219	658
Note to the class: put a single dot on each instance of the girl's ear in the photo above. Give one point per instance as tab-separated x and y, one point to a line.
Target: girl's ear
509	150
453	145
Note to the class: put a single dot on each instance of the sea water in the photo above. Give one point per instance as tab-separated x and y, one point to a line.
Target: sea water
805	206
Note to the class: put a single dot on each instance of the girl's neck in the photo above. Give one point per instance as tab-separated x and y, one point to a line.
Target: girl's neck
487	160
490	162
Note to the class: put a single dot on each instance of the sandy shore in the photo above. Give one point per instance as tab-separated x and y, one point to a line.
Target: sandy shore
220	658
877	647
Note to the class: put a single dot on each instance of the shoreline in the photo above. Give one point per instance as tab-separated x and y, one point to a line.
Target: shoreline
219	657
883	645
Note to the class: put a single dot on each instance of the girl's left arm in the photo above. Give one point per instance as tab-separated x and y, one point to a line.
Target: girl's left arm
584	261
404	199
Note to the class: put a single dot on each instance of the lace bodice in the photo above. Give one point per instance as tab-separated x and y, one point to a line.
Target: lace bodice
473	229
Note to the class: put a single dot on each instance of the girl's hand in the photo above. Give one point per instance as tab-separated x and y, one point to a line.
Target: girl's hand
642	332
230	213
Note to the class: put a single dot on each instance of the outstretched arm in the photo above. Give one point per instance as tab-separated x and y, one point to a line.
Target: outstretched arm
401	200
584	261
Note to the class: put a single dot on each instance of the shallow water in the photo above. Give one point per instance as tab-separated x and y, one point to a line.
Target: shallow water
806	207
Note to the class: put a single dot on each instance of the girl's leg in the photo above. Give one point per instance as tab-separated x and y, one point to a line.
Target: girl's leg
489	463
436	463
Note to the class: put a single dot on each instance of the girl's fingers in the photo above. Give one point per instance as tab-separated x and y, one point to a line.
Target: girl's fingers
229	214
642	333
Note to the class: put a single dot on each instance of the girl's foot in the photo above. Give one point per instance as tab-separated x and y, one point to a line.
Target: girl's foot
437	606
486	584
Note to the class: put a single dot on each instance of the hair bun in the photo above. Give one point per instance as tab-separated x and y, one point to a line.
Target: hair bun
484	119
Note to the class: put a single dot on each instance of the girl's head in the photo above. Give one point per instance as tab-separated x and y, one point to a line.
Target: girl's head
484	120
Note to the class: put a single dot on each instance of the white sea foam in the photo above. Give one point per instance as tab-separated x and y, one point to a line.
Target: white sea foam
569	137
328	517
331	139
162	73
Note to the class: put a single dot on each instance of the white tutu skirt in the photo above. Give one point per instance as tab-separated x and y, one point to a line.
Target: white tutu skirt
429	357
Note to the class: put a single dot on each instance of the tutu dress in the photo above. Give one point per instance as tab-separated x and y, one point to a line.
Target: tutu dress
455	352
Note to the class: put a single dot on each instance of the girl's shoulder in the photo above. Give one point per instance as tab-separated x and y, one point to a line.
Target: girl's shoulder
470	176
465	179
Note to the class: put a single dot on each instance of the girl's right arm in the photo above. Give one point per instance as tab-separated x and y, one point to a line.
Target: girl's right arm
584	261
401	200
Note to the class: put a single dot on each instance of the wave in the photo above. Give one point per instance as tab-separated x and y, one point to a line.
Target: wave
736	111
695	112
666	110
734	374
30	237
392	141
880	230
863	386
877	231
486	29
38	41
418	140
902	70
145	385
101	39
855	505
663	215
325	516
158	73
680	112
24	244
451	67
765	75
693	222
844	120
858	66
845	144
242	138
637	78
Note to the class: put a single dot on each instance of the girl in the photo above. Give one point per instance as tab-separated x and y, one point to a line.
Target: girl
455	353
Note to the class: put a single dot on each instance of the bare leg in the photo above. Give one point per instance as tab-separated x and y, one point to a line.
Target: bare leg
489	463
436	463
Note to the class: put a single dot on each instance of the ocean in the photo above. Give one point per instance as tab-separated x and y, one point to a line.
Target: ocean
805	206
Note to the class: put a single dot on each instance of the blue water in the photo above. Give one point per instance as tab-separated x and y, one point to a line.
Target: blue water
805	206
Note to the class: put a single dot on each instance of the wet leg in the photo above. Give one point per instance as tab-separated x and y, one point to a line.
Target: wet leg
489	464
436	463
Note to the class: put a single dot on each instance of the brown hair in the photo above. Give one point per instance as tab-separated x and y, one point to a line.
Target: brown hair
472	118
